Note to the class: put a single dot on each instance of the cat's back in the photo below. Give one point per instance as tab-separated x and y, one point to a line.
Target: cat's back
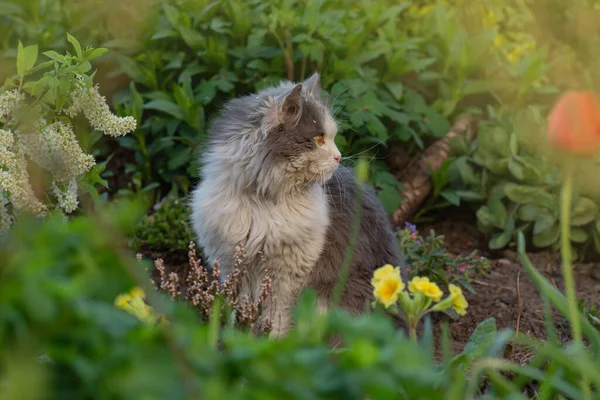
376	243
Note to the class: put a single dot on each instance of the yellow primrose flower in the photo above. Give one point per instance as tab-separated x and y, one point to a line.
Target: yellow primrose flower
458	300
423	285
122	300
387	289
384	271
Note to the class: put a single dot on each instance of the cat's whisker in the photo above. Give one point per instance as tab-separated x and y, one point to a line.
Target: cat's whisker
369	149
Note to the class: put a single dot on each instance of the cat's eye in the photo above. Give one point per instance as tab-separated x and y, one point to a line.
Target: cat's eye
319	140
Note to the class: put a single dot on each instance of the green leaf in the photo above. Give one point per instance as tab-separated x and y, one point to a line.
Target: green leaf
528	194
514	144
543	221
578	235
55	56
481	340
396	89
97	53
548	237
499	240
166	106
26	58
498	211
75	44
390	198
584	212
451	196
469	195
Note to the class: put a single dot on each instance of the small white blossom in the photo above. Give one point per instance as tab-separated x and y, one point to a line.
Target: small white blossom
66	193
9	102
6	219
95	109
14	178
56	150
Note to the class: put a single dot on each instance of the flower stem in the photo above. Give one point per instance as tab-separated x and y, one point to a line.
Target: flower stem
567	264
413	332
567	267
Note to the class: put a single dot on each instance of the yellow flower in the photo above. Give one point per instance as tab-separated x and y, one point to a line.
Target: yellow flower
387	289
423	285
458	300
122	300
384	271
137	292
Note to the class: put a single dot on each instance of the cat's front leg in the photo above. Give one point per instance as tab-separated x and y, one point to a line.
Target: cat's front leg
288	281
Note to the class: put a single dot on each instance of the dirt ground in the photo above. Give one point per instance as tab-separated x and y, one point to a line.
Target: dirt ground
504	292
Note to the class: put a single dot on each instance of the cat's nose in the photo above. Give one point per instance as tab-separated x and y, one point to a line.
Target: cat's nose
337	158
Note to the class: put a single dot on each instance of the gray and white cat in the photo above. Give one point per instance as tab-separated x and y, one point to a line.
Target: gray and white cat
271	180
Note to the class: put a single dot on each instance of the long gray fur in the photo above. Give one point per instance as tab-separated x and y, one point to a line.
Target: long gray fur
267	186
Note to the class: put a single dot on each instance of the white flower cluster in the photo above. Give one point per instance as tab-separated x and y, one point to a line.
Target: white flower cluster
6	220
54	147
66	193
95	109
9	102
14	178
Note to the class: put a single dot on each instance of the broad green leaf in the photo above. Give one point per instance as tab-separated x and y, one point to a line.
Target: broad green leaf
528	212
390	198
76	45
499	240
166	106
26	58
451	196
481	340
578	235
396	89
97	53
469	195
543	221
498	211
55	56
548	237
528	194
584	211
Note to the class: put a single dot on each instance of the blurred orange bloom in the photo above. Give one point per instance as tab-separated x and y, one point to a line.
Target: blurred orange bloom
574	123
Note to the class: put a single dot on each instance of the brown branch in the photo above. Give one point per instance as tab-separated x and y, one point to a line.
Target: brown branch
416	176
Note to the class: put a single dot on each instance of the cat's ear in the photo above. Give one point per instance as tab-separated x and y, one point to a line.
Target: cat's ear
291	108
313	85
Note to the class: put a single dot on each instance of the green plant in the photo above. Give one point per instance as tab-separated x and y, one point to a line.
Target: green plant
427	257
165	229
37	109
394	77
592	313
56	305
515	184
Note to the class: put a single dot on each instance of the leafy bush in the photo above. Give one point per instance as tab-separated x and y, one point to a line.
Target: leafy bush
37	108
428	257
165	229
393	75
57	301
515	183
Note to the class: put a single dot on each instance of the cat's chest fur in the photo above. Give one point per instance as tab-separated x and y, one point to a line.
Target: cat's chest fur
290	229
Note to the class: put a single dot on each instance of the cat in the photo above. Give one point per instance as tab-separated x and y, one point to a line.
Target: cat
271	180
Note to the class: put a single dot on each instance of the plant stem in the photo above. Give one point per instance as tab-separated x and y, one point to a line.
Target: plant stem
567	267
413	332
567	264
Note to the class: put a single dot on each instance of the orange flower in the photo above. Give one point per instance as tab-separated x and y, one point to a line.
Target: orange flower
574	123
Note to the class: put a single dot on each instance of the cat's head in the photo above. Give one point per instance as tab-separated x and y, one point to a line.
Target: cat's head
283	137
299	131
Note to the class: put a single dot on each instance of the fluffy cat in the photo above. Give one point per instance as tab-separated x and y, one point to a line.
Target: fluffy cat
271	181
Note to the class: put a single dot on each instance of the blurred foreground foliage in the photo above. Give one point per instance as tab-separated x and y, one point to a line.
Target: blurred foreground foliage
61	336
